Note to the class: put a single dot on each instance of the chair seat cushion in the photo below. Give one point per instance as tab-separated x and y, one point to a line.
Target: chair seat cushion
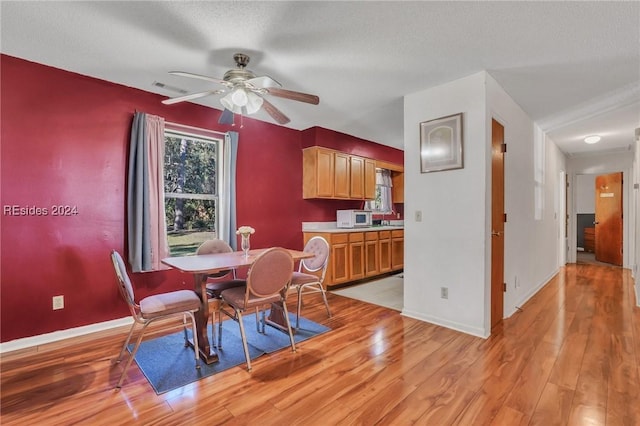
235	298
300	278
169	303
215	288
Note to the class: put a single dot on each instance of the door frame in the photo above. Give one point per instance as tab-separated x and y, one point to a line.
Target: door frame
573	220
496	300
563	220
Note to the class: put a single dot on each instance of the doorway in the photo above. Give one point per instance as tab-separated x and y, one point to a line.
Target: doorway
599	219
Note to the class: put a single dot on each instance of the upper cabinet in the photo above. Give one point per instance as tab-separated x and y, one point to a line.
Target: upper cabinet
318	177
327	173
369	179
397	191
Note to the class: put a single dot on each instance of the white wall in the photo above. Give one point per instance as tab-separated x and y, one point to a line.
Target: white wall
532	247
450	247
585	194
595	164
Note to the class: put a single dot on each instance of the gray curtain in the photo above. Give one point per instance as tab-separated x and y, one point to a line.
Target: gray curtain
147	239
138	217
228	222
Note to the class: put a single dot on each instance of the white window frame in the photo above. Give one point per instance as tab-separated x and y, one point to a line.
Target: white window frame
215	197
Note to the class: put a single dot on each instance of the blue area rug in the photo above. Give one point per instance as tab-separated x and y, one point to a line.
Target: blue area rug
168	364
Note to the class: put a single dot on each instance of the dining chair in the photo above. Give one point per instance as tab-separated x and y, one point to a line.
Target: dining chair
218	281
310	274
180	303
267	283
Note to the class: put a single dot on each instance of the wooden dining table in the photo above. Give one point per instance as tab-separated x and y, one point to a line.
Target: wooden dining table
200	266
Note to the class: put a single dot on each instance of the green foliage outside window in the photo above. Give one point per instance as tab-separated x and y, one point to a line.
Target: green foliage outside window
190	184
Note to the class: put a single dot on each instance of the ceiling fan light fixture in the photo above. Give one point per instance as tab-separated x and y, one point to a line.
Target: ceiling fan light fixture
592	139
254	103
227	102
239	97
242	101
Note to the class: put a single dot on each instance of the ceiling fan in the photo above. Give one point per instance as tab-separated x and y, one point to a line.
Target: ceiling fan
244	92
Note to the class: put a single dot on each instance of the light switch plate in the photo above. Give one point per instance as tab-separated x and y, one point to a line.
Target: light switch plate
418	215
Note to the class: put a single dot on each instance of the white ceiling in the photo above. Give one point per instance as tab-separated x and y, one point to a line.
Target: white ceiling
574	67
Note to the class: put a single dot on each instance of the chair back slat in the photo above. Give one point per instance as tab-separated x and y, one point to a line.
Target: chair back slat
270	273
318	246
126	288
215	246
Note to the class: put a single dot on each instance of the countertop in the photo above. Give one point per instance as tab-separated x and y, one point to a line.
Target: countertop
367	229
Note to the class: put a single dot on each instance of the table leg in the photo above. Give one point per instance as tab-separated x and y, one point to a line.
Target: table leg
207	353
276	317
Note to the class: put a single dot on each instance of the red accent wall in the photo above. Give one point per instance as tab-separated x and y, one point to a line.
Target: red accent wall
65	141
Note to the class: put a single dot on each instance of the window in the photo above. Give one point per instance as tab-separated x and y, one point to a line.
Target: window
383	203
191	186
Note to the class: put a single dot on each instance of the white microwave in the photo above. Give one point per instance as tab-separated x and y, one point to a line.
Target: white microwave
353	218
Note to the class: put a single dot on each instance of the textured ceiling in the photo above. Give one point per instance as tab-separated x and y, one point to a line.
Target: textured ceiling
574	67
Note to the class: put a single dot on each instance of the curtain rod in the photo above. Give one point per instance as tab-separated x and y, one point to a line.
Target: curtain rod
198	129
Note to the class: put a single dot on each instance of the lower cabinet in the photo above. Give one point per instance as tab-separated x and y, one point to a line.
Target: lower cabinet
384	251
371	254
397	249
338	268
358	255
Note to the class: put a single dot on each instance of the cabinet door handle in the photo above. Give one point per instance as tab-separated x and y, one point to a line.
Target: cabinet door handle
495	234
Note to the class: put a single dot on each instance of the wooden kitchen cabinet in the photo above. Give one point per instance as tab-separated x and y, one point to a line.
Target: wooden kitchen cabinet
318	173
384	251
363	178
339	260
356	256
371	254
359	255
369	179
342	188
397	249
357	177
327	173
397	191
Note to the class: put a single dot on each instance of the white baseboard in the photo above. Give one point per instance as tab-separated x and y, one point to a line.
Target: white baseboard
55	336
525	298
474	331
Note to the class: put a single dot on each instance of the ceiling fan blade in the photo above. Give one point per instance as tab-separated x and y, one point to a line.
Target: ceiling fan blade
294	96
226	117
274	112
198	76
171	101
263	82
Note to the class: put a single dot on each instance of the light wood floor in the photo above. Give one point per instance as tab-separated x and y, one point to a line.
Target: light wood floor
569	358
387	291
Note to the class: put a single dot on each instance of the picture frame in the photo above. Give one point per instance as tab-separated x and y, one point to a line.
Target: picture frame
441	144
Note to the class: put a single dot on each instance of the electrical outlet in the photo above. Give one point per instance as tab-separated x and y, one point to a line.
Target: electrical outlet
58	302
418	215
444	292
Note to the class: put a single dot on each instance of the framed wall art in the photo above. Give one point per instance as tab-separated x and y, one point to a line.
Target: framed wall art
441	144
